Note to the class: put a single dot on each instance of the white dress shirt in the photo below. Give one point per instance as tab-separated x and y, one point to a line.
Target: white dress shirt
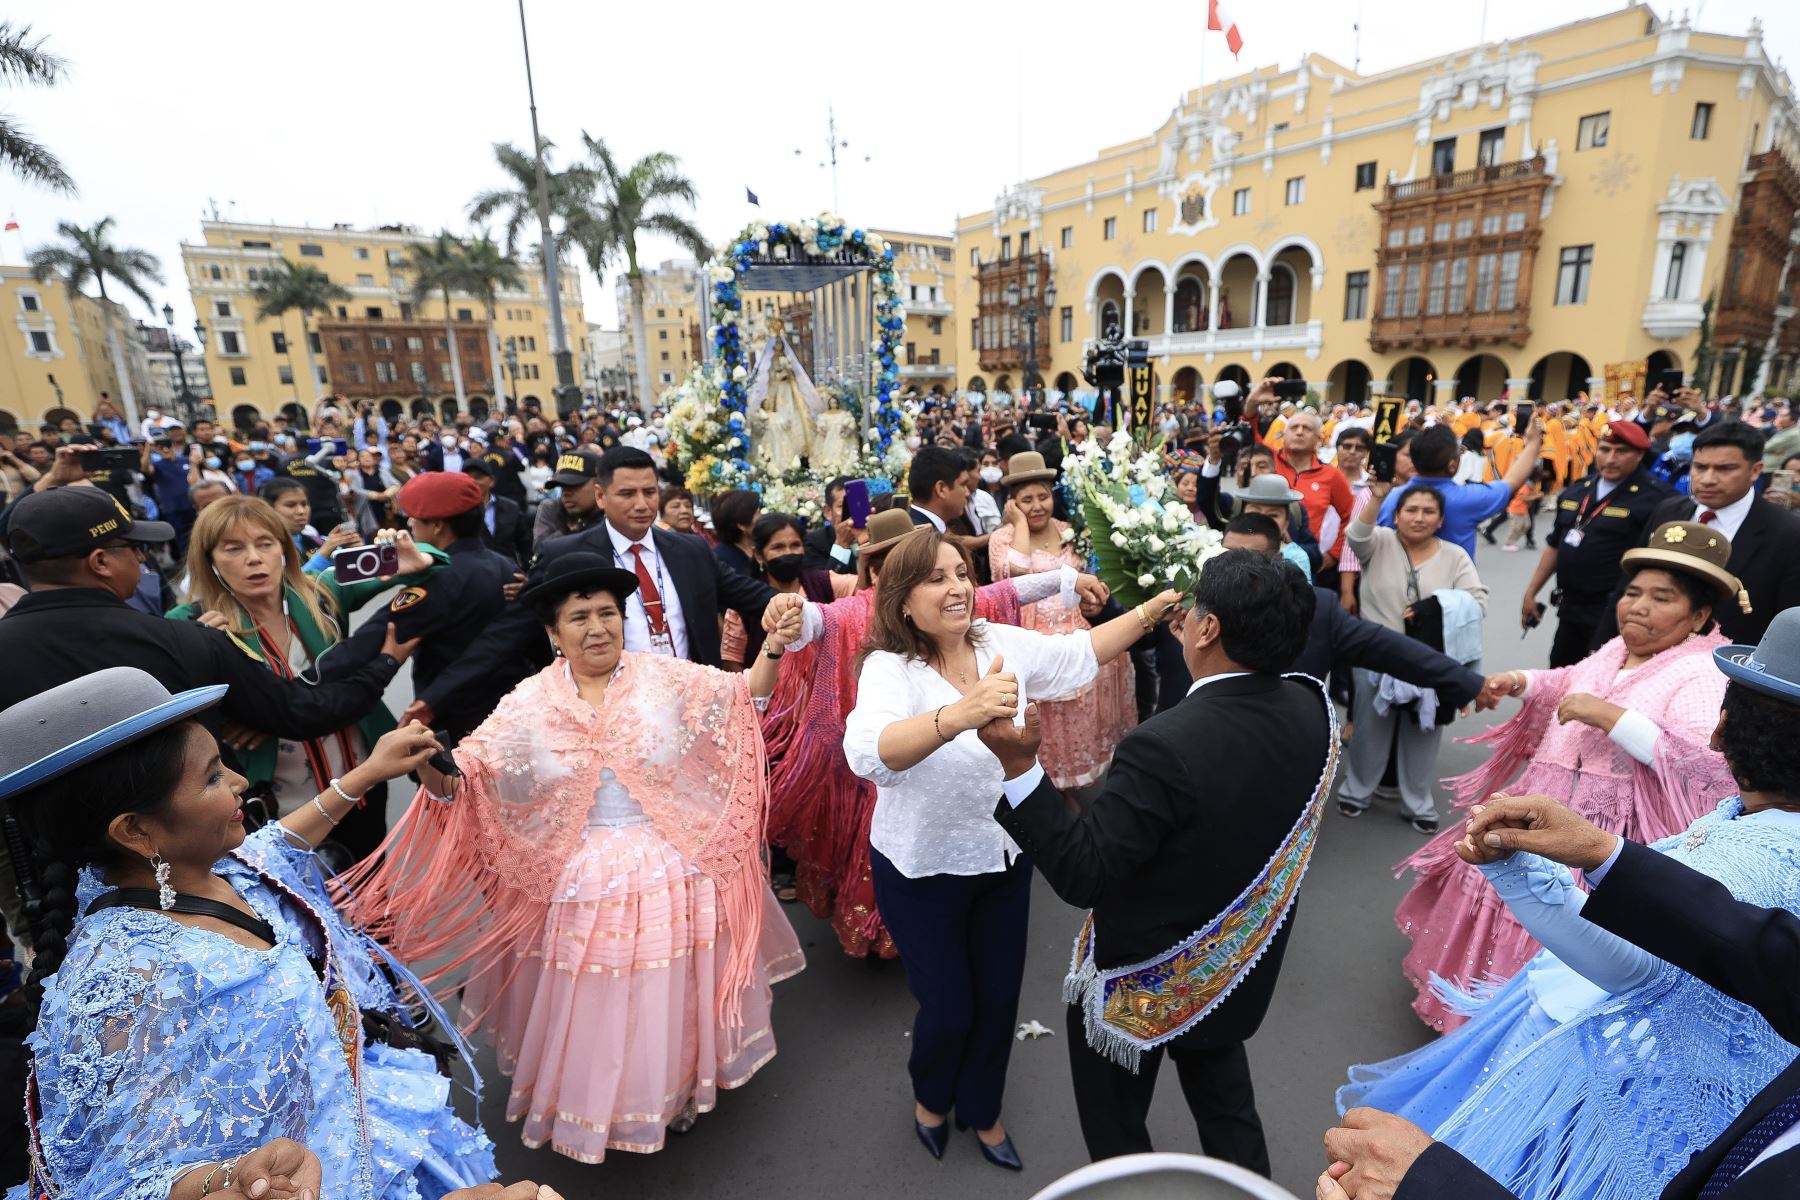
637	621
1730	519
1021	786
937	818
937	522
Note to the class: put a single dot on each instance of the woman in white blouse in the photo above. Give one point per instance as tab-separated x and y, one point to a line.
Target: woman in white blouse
953	889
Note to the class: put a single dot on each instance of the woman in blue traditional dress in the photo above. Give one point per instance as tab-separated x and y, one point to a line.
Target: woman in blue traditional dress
1596	1071
211	1009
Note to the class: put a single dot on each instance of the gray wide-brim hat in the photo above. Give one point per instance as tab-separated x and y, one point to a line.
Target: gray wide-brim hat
1772	666
1264	489
56	731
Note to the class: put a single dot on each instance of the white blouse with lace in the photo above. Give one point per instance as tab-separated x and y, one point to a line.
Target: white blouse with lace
937	818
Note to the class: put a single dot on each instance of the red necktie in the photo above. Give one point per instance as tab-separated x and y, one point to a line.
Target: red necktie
1708	516
653	605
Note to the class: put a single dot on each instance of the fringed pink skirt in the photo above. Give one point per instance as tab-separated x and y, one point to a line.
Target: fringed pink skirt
610	1026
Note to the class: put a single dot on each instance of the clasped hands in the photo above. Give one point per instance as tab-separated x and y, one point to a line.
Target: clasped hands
1371	1152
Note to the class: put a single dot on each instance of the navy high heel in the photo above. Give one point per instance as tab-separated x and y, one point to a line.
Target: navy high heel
935	1137
1003	1155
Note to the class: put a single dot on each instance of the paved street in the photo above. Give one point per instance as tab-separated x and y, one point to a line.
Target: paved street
831	1115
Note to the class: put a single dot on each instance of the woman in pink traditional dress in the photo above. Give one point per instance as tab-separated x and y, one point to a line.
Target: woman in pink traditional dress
1623	737
819	810
596	881
1081	732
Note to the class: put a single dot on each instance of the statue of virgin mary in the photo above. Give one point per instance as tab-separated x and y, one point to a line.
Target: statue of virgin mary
783	406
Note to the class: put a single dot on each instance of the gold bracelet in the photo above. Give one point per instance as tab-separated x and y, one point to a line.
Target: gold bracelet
206	1184
1143	616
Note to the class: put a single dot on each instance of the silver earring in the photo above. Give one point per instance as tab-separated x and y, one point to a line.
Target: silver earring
165	895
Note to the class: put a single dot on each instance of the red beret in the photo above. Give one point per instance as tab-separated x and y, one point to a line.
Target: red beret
1627	433
439	495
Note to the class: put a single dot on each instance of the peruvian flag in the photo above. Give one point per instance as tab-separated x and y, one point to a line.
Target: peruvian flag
1218	18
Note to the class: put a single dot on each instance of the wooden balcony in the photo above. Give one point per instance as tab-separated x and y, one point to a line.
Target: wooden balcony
1457	181
1481	224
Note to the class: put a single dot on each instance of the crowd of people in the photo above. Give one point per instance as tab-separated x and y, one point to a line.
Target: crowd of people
644	720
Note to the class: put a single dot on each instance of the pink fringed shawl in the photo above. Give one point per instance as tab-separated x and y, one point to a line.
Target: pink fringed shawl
1461	931
470	882
818	809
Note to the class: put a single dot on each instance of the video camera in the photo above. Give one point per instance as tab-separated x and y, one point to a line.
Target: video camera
1235	432
1105	366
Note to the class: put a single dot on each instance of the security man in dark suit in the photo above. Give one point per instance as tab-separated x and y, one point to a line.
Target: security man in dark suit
832	546
453	607
681	592
1765	538
505	527
1163	855
1598	519
1691	920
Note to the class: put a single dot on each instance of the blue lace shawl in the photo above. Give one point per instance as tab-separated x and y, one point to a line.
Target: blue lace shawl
1613	1102
161	1046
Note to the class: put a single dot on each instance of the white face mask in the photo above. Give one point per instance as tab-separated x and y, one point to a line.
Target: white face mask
990	474
448	442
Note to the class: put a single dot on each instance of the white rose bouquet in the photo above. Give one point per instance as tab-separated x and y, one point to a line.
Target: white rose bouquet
1140	546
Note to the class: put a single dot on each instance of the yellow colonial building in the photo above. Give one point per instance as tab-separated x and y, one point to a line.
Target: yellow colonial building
672	323
55	361
926	266
1523	216
377	345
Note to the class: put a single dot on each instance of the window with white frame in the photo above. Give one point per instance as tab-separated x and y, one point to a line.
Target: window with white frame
1296	190
28	302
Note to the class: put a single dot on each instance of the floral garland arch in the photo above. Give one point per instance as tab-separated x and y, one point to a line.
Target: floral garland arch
825	234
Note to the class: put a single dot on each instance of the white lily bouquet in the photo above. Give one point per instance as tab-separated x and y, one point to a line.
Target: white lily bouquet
1142	536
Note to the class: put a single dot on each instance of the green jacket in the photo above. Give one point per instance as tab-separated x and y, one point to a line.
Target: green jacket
259	764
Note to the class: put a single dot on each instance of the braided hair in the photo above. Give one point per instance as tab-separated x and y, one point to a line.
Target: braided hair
65	823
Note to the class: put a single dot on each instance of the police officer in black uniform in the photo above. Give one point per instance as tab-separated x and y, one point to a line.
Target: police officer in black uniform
445	509
1597	519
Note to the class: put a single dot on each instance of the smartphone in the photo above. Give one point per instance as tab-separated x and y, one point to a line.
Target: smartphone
312	445
355	563
1522	415
856	503
1290	389
1781	482
109	460
1383	457
1670	381
1387	418
1044	421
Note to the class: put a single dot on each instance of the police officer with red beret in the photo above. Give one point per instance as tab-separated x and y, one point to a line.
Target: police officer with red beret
446	509
1598	519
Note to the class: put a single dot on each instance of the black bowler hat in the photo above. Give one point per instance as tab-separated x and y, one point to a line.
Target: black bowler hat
69	522
580	571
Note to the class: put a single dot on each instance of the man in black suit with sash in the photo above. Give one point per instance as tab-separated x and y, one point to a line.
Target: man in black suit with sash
681	589
1765	538
1749	953
1217	798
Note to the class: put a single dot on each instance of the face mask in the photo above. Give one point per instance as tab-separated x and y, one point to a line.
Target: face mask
784	568
243	464
259	445
990	474
449	443
212	461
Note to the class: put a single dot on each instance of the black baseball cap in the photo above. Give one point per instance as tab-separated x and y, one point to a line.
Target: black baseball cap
69	522
576	467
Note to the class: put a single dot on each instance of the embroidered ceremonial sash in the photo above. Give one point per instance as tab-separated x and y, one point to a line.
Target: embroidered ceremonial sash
1130	1009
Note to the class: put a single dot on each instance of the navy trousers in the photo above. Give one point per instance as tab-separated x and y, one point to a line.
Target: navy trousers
962	938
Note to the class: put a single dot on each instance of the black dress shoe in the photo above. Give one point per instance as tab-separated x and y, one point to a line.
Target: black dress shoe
1003	1155
935	1137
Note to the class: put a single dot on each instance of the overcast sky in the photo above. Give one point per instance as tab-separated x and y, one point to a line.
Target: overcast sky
381	111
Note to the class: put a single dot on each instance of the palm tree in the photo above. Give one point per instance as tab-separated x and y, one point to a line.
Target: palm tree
23	60
293	287
89	254
487	269
619	206
439	266
516	200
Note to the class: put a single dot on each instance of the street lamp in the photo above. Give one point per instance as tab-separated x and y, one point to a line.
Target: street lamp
177	346
1031	312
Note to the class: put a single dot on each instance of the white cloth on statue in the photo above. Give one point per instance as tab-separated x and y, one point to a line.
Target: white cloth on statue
759	383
